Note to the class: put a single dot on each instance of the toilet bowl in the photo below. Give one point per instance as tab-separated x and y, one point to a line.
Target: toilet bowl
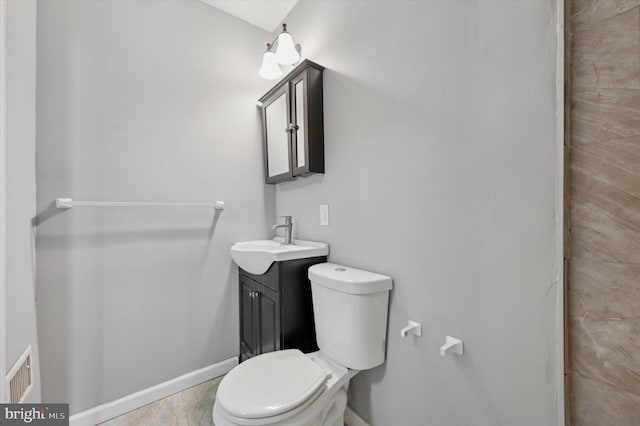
287	393
290	388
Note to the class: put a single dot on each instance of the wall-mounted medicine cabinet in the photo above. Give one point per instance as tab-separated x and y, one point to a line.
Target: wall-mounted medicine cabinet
292	125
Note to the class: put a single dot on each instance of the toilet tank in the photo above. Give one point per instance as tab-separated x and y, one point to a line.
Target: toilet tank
350	308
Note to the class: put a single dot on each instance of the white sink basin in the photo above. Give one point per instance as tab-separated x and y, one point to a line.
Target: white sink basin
257	256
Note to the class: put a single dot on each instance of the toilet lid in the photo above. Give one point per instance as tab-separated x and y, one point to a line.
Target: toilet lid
270	384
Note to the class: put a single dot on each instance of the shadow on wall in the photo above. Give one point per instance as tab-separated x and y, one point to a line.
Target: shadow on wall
50	211
97	239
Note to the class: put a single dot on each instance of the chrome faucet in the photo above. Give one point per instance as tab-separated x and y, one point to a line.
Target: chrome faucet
287	229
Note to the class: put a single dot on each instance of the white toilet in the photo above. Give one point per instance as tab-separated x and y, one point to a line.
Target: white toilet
290	388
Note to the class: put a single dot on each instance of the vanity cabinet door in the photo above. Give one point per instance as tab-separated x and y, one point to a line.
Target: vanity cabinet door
277	136
248	319
259	319
269	321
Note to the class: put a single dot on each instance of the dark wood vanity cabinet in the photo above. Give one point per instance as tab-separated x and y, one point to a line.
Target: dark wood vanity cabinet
292	125
276	309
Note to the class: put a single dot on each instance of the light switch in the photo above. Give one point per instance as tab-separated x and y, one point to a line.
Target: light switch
324	214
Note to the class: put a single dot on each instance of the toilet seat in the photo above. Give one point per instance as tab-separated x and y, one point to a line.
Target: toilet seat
271	384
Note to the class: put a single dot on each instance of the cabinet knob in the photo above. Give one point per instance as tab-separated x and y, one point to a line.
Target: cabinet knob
291	128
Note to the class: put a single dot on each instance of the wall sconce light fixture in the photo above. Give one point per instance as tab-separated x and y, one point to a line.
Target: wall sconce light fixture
286	53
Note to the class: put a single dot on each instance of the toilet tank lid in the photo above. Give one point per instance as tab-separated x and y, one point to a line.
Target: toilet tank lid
348	280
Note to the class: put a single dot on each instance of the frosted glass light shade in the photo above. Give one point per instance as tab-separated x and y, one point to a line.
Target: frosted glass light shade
286	53
270	69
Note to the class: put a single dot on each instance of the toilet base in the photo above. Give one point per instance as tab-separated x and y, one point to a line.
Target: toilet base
333	415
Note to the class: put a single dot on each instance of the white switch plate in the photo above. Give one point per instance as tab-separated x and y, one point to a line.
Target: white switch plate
324	214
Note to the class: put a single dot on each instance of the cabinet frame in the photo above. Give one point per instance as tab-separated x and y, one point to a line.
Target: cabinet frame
311	74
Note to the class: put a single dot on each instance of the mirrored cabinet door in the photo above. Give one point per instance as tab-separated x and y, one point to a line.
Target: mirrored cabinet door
278	137
298	112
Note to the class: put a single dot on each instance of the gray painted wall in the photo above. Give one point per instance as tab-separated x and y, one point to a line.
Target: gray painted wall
440	132
21	184
143	101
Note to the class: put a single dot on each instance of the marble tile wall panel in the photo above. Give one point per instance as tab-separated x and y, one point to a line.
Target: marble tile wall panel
606	54
605	219
586	13
601	114
603	324
602	405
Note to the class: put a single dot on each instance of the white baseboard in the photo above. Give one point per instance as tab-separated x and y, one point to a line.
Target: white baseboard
352	419
112	409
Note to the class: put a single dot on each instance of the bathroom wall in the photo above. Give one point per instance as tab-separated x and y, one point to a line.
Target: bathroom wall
442	150
604	209
143	101
21	185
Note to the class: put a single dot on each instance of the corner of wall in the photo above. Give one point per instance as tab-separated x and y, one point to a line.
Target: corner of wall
19	192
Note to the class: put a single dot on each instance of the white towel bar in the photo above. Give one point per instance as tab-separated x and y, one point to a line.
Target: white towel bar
67	203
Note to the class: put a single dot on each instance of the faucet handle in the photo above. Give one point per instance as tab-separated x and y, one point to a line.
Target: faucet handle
287	219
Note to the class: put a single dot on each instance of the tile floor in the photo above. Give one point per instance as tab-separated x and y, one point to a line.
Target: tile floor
191	407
